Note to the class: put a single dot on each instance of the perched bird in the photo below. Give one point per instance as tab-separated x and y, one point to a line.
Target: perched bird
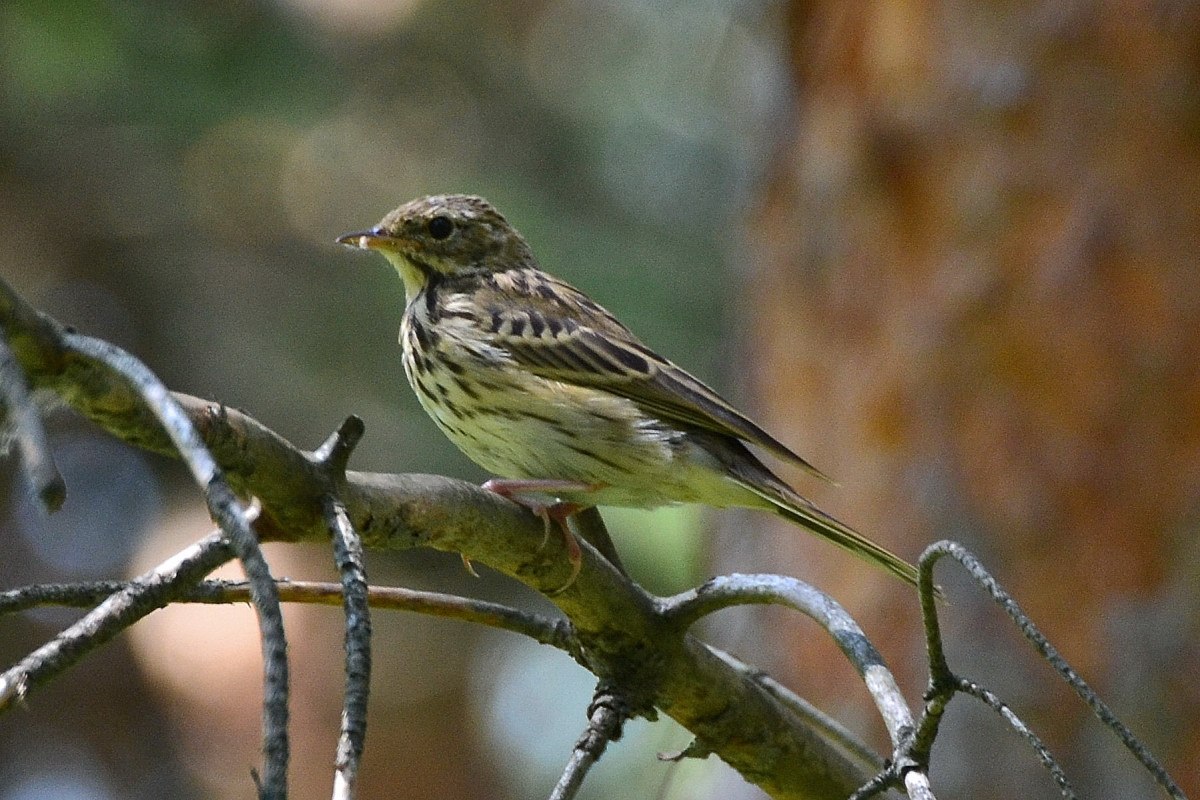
538	384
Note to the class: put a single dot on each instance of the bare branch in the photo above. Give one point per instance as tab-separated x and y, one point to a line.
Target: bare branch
235	524
348	556
333	456
867	760
1006	713
556	633
731	590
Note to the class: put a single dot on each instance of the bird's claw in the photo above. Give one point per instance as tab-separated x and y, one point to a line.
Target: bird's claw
551	513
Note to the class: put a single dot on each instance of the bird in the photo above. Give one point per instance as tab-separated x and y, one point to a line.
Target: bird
541	386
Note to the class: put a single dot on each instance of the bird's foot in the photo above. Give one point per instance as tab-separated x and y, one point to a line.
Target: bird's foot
552	513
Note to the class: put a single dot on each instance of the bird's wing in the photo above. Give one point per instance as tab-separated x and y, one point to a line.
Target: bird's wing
555	331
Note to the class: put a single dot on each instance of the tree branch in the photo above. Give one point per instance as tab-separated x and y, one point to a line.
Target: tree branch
730	590
638	647
348	556
623	639
235	525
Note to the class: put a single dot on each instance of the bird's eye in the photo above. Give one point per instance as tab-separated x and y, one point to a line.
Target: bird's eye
441	228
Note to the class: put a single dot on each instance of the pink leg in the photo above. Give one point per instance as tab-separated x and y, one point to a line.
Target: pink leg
556	512
559	512
510	488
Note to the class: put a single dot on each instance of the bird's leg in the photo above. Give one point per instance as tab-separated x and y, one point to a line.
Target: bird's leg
555	512
560	512
511	488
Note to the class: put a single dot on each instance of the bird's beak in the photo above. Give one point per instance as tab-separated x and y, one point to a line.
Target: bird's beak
374	239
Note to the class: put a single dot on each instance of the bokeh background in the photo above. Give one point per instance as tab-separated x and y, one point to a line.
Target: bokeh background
947	250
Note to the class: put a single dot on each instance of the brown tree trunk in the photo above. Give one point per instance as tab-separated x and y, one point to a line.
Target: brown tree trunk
979	309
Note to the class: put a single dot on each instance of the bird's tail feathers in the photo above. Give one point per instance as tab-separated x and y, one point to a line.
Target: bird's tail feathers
796	509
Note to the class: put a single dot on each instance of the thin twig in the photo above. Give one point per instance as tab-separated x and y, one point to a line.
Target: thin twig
880	783
992	701
134	600
731	590
1049	652
234	522
937	697
348	558
943	683
554	632
606	717
26	424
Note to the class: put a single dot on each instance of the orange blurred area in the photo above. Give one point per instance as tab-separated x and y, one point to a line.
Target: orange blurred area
983	267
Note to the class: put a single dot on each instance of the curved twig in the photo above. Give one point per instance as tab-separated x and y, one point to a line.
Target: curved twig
234	522
1005	712
731	590
943	679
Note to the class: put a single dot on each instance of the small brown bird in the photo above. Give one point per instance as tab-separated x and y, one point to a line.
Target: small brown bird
537	383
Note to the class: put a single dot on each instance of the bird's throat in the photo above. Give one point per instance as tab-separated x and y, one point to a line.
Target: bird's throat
414	274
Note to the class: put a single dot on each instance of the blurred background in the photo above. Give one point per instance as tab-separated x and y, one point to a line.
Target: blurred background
946	250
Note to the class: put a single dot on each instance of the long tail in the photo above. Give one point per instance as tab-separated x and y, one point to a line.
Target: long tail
791	506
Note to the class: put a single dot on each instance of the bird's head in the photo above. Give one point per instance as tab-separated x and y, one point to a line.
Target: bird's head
444	235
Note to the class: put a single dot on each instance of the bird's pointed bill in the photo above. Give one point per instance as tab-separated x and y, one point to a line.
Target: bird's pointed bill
366	240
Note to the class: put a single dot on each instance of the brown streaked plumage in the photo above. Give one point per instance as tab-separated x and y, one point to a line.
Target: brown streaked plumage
537	383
